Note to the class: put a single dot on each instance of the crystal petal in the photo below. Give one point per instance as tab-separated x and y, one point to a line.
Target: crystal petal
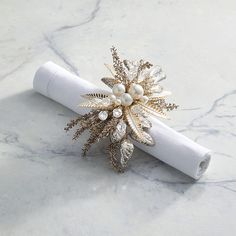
119	132
117	112
103	115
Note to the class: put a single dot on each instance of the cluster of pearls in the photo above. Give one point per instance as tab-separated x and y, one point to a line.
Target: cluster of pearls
120	96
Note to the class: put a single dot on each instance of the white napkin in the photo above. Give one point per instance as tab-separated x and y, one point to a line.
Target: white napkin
171	147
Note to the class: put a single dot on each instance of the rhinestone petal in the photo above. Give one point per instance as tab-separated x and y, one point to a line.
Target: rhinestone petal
119	132
117	112
103	115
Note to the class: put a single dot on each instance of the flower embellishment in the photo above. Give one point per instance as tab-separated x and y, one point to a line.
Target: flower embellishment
122	115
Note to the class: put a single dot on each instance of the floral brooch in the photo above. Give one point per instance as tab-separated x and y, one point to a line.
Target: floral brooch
122	115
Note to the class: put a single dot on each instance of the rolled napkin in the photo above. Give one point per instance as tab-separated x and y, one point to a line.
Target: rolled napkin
171	147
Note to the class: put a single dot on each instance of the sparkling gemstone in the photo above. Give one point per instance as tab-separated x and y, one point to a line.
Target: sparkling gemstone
103	115
119	132
117	112
121	127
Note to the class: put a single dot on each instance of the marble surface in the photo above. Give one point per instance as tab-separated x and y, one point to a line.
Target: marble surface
46	188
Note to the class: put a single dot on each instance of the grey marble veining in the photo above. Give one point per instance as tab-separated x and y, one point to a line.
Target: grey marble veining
46	188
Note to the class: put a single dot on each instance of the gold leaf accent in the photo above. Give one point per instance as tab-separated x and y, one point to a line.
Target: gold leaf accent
95	95
147	136
110	82
135	124
153	109
118	66
94	104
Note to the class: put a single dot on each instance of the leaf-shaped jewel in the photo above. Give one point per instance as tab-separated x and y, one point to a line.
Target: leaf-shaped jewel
134	122
111	69
148	138
120	132
94	95
145	123
153	109
110	82
126	151
135	125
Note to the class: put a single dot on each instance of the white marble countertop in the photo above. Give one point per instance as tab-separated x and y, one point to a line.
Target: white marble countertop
46	188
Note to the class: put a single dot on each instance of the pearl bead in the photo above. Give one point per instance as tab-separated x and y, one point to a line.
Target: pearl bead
144	99
112	97
136	91
118	89
126	99
117	101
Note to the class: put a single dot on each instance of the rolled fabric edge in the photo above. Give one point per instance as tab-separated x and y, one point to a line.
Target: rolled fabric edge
193	159
62	86
171	147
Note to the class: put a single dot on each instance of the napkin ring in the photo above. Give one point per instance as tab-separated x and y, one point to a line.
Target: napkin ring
123	114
